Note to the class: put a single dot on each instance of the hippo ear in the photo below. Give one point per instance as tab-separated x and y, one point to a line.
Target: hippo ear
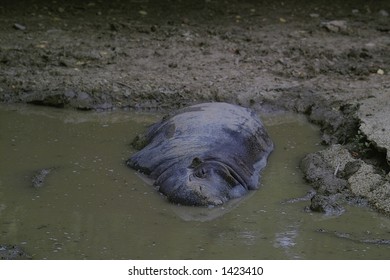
195	162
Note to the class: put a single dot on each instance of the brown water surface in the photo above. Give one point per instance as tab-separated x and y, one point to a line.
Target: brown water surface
91	206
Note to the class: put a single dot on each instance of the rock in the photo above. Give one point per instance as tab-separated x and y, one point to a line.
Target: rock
335	25
380	72
383	13
321	175
351	168
19	26
332	159
38	180
374	114
326	204
11	252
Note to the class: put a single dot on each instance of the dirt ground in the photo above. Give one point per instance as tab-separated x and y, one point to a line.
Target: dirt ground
327	59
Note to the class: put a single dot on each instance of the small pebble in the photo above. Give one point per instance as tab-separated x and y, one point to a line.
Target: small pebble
19	26
383	13
335	25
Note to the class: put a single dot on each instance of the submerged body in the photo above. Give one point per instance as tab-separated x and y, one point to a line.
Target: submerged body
205	154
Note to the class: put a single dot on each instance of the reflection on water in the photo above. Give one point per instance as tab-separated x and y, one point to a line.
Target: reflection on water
91	206
286	239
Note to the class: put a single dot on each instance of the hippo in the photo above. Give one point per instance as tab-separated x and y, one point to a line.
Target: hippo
205	154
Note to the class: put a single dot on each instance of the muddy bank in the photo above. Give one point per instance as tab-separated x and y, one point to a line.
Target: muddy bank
340	178
330	62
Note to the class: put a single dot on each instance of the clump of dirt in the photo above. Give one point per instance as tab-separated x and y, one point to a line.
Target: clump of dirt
327	60
12	252
39	178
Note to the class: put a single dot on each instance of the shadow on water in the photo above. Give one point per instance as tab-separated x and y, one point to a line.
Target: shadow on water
91	206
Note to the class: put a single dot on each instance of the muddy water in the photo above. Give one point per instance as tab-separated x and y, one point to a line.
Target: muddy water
91	206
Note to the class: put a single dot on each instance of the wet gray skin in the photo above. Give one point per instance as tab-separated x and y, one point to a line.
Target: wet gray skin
209	183
205	154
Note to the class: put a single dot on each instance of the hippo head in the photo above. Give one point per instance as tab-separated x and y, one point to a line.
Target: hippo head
202	183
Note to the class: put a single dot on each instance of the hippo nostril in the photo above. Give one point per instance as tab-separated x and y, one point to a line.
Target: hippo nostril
196	162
